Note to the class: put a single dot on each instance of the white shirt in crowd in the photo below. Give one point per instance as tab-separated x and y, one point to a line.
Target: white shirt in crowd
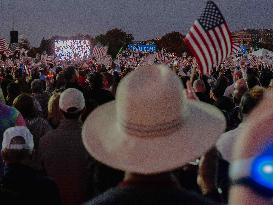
226	142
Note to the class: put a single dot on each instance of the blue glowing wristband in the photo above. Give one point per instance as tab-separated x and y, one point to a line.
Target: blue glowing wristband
255	173
254	186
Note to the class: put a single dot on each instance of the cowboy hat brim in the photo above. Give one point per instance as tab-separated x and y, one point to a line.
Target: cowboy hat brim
107	142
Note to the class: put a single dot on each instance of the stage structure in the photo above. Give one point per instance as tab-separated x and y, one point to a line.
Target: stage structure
72	49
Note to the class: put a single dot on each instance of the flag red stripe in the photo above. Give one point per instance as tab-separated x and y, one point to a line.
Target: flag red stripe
210	44
217	46
201	51
188	44
225	42
229	38
206	45
202	47
214	47
235	48
220	45
4	47
210	38
99	52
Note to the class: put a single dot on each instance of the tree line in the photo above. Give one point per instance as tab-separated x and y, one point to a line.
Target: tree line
116	40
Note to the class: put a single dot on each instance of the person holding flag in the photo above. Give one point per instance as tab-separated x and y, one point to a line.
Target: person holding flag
210	39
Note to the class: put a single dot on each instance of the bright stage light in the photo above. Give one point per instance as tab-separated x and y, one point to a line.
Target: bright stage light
72	49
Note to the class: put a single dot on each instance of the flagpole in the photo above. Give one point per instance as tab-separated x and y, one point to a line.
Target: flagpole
120	50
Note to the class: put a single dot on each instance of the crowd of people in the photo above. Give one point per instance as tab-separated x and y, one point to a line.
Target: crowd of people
143	129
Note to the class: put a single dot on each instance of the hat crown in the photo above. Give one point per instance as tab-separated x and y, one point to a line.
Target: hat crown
18	137
71	98
150	96
151	128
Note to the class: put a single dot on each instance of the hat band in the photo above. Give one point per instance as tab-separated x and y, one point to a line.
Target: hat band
17	146
152	131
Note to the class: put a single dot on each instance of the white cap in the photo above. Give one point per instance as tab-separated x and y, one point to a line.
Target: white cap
17	138
71	98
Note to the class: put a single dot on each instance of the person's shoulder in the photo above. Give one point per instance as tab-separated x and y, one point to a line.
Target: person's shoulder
134	195
43	121
46	190
196	199
48	138
228	136
109	197
12	110
45	182
107	93
44	96
50	134
116	196
7	107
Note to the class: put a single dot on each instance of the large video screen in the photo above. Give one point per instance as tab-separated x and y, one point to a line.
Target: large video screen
72	49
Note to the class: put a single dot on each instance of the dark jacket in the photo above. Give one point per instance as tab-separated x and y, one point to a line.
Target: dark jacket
135	195
203	97
43	99
23	185
104	178
65	159
101	96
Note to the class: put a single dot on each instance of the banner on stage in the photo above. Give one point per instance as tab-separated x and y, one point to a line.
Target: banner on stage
143	48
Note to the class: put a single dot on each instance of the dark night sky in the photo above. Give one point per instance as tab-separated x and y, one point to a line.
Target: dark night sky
145	19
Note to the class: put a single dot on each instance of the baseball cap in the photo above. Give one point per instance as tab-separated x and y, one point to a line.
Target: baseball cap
71	98
17	138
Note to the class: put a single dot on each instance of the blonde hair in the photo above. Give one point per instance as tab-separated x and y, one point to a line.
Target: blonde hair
54	113
257	92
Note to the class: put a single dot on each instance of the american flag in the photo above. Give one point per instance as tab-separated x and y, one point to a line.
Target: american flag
99	52
253	61
4	47
149	59
230	62
236	48
106	60
209	39
159	56
28	70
